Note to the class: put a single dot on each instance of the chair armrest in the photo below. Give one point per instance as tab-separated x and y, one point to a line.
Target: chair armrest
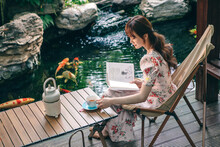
129	107
150	110
138	109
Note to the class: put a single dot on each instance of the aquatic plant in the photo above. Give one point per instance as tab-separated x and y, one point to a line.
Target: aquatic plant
194	31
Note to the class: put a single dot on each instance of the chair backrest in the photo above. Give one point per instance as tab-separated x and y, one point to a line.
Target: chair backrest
182	73
196	56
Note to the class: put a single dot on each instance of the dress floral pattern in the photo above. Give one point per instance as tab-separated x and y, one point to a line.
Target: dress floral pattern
156	74
121	127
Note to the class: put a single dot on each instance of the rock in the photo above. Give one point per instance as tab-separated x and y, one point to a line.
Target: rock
161	10
101	3
20	42
78	17
109	22
122	4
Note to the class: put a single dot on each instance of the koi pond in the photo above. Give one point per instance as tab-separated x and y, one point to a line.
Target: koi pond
104	41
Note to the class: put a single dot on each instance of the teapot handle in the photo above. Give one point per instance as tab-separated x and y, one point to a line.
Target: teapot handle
54	83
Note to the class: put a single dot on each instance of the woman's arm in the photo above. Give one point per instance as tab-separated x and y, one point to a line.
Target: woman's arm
131	99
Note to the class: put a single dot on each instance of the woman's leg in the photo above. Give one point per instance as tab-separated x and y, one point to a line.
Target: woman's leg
121	127
96	134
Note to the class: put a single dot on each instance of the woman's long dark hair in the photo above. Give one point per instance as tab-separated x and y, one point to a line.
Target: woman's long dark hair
141	26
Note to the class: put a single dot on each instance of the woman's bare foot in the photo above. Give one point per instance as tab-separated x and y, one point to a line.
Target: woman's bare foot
96	134
90	129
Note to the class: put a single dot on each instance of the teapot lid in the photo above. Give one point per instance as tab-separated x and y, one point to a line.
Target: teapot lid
50	89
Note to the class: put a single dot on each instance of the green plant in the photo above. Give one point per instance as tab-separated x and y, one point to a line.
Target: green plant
47	21
34	2
137	10
2	7
70	3
194	31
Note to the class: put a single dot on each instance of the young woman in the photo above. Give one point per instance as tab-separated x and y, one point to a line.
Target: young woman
155	87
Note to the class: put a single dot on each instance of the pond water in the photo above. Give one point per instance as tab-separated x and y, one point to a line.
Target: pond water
104	41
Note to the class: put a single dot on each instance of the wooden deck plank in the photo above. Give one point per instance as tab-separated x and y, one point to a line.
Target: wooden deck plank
66	114
188	121
1	143
9	128
4	138
26	124
81	121
78	106
108	110
53	122
185	118
39	115
213	130
196	134
63	122
18	126
34	121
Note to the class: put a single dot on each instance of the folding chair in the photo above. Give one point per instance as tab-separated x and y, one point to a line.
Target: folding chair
181	77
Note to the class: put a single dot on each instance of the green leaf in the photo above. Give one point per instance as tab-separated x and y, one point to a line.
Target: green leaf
47	21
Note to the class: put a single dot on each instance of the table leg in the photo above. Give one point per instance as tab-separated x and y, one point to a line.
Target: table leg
99	128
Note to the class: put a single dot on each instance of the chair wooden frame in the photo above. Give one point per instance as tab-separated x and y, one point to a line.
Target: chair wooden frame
182	81
169	113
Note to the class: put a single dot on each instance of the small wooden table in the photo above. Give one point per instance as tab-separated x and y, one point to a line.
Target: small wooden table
28	124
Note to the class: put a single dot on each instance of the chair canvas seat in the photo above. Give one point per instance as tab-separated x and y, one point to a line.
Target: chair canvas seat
181	78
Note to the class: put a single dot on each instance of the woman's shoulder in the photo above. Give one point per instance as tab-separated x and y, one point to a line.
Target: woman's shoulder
155	54
152	55
152	59
147	60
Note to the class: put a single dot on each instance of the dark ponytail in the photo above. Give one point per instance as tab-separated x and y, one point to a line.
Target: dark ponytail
141	25
166	50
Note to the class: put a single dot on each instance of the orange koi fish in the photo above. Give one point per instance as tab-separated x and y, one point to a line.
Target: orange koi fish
68	76
76	61
64	90
15	103
61	65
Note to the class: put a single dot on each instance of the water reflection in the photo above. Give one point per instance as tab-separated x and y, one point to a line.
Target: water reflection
105	41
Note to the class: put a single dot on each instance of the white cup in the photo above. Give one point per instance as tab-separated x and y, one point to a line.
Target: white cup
91	100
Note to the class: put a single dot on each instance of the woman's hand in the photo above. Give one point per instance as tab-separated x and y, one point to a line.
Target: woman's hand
104	103
138	82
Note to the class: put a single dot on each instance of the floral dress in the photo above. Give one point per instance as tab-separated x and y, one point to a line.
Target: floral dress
156	74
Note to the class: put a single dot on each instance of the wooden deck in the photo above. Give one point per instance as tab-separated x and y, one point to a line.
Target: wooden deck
170	136
28	124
